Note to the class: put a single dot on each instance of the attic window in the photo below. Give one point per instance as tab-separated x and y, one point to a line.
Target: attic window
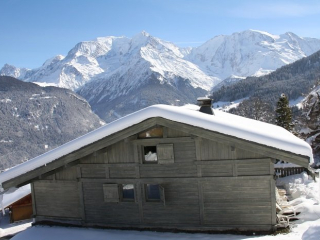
161	154
150	154
156	132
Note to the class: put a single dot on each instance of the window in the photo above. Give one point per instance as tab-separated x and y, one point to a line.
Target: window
161	153
156	132
116	193
154	193
127	192
150	154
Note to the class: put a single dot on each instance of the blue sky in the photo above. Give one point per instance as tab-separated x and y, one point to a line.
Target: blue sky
32	31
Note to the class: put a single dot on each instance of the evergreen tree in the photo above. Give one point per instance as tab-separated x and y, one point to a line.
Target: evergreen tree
283	113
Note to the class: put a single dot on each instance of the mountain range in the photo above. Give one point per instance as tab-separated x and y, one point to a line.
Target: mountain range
119	75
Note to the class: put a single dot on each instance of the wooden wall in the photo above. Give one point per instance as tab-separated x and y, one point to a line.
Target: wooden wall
210	185
237	201
57	199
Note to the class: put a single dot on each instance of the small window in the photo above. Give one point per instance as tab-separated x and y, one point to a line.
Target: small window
153	192
127	192
156	132
150	154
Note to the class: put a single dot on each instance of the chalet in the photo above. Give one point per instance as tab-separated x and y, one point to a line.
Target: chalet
164	167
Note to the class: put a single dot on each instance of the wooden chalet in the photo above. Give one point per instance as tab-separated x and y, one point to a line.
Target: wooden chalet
164	167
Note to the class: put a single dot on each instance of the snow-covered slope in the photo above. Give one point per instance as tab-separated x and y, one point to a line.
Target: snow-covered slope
250	53
114	57
241	54
12	71
148	71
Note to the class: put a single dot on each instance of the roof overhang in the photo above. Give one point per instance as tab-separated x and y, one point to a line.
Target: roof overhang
192	122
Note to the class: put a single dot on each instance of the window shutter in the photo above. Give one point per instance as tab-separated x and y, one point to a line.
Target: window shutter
162	196
165	153
111	192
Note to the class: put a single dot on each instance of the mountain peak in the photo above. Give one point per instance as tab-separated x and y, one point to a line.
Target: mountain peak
141	39
12	71
53	60
141	36
144	33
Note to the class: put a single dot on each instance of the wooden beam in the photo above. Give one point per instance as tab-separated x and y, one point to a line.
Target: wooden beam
201	205
163	140
173	179
34	206
81	202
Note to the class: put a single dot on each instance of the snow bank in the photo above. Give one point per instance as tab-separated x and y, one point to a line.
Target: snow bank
300	185
305	193
64	233
305	231
225	123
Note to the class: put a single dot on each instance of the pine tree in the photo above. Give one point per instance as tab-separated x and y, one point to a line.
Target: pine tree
283	113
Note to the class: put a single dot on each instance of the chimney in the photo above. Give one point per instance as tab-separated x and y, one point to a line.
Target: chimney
205	104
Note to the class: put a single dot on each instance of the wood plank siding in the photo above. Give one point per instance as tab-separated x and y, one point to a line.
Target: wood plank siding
207	185
57	199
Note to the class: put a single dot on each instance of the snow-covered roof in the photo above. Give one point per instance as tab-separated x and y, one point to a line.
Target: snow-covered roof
14	194
225	123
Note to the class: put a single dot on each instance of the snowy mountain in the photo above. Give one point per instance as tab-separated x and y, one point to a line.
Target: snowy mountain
37	119
12	71
250	53
118	75
115	56
148	71
294	79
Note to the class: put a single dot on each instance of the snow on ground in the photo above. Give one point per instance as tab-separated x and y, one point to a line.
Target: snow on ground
9	229
45	84
300	186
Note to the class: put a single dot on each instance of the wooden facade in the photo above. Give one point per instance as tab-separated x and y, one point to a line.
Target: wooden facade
207	181
21	209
